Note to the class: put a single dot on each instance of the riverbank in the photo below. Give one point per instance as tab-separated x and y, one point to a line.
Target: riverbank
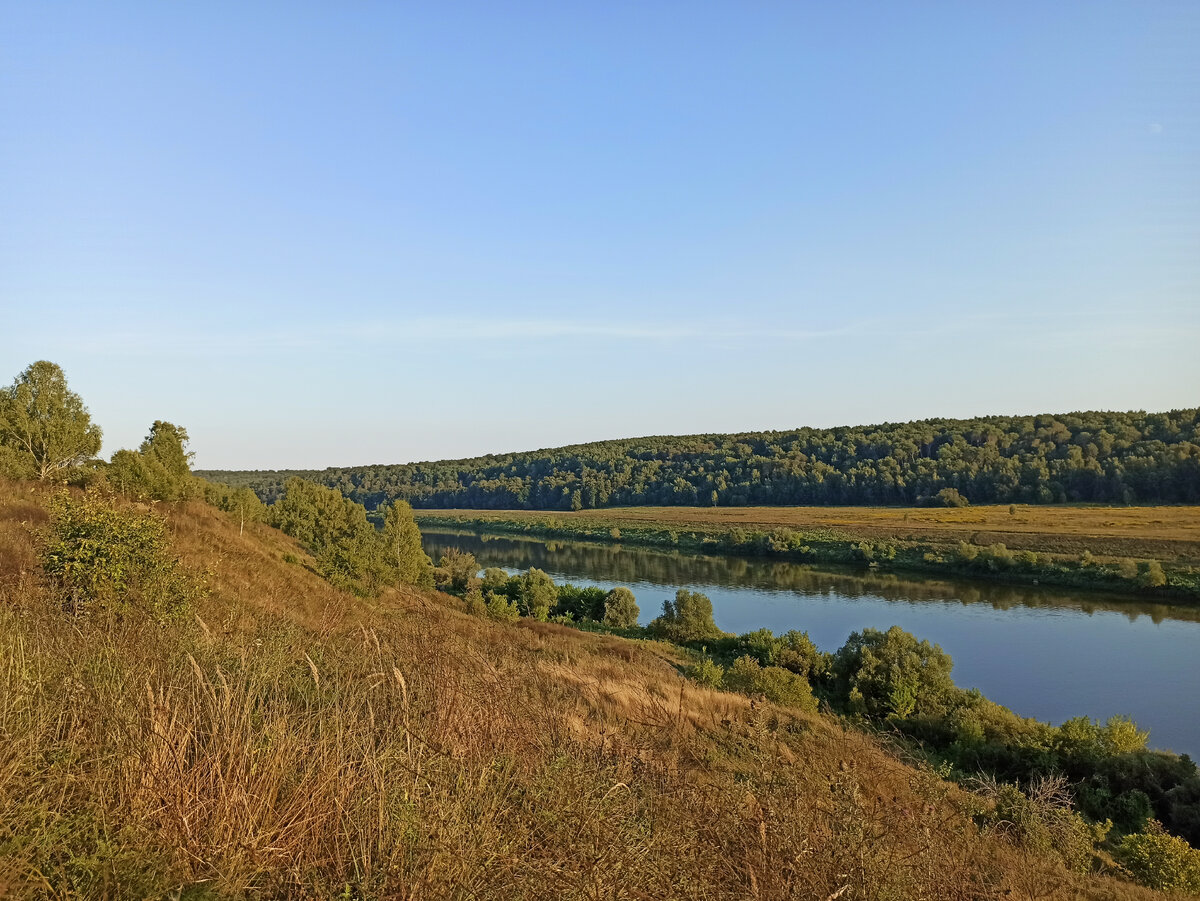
1149	551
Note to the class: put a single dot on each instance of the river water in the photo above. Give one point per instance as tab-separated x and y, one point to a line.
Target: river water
1046	653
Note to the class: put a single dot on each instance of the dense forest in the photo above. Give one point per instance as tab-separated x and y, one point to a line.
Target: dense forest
1077	457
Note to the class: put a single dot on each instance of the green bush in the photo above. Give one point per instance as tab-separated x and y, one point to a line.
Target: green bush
500	608
103	557
688	618
1161	861
620	608
707	673
892	673
777	684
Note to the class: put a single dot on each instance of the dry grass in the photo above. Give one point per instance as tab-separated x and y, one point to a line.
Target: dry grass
1170	534
293	742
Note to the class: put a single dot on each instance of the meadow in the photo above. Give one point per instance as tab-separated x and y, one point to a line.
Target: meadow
1164	533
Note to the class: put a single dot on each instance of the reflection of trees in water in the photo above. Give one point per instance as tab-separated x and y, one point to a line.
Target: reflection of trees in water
615	564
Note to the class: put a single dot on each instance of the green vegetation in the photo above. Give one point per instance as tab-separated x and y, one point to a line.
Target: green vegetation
45	430
104	558
827	546
1077	457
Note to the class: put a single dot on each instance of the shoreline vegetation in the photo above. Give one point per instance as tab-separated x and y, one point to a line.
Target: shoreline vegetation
1055	551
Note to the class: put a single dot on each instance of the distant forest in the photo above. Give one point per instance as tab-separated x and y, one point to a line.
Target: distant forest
1076	457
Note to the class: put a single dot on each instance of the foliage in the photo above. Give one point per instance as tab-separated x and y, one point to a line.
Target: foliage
688	618
103	557
620	608
1075	457
707	673
45	430
348	550
774	682
536	594
1042	820
1161	861
500	608
159	470
892	673
402	539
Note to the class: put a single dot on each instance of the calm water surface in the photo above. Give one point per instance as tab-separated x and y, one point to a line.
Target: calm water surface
1045	653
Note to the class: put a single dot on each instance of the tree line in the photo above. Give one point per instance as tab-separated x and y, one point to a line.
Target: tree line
1103	457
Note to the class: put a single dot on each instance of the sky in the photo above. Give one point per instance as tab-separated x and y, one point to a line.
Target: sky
329	234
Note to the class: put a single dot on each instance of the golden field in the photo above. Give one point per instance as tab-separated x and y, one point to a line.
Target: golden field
1167	533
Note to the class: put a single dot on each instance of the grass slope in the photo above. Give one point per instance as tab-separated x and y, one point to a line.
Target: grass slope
292	741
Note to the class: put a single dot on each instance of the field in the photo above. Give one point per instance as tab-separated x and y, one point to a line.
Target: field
1170	534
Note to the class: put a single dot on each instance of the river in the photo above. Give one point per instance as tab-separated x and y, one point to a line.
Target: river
1043	652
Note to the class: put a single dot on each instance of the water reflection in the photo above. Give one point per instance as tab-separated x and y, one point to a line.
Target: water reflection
620	565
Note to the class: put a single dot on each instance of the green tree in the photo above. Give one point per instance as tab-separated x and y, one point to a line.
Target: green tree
620	608
45	429
892	673
160	469
536	594
402	538
687	618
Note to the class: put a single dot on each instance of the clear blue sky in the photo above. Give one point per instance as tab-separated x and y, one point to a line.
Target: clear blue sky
340	233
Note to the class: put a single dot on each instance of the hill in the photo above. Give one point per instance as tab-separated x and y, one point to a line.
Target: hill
287	739
1077	457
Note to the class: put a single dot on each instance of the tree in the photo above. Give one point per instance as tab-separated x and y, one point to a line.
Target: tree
892	673
44	427
536	594
403	541
160	469
620	609
687	618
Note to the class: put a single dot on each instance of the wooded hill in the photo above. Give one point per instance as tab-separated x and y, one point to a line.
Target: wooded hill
1099	457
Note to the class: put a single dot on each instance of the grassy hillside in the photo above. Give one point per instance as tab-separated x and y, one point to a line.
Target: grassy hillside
290	740
1094	457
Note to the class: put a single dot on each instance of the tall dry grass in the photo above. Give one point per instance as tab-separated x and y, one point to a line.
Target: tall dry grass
292	743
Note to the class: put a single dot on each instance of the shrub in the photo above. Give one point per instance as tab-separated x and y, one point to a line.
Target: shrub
1044	822
476	605
892	673
1161	861
707	673
501	608
620	608
1151	575
495	579
774	682
688	618
536	594
460	569
103	557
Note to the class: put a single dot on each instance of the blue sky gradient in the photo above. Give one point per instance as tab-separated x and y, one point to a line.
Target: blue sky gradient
331	234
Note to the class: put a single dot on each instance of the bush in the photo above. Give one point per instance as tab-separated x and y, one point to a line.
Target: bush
620	609
536	594
495	579
707	673
460	569
501	608
1044	822
102	557
1161	861
1151	575
476	605
892	673
688	618
774	682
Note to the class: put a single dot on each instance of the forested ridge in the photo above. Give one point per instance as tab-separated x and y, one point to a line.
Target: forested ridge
1105	457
